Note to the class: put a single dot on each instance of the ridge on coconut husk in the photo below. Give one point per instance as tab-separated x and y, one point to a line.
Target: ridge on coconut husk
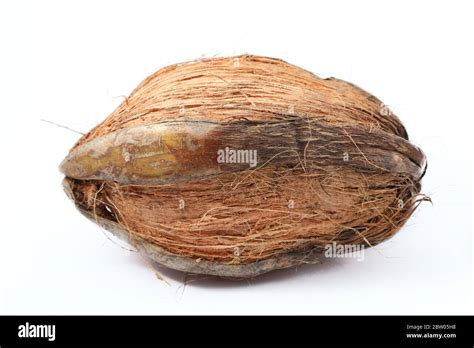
333	165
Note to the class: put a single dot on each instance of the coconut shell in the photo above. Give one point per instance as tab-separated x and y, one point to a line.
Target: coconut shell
171	169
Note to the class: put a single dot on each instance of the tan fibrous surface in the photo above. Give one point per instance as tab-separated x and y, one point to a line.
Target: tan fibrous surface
334	164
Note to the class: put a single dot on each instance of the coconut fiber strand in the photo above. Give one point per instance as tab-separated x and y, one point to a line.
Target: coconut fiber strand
237	166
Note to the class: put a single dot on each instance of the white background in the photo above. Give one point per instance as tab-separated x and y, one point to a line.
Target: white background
71	63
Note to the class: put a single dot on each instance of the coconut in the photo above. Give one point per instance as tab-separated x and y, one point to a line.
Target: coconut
241	165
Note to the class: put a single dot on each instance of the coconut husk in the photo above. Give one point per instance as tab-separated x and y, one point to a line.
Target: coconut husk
334	165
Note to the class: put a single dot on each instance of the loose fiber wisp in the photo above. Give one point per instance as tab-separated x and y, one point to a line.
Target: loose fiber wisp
237	166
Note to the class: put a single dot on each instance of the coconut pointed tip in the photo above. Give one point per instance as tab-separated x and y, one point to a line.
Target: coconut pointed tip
63	167
70	168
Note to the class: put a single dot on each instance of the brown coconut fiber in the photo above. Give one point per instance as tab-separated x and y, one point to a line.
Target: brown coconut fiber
333	165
